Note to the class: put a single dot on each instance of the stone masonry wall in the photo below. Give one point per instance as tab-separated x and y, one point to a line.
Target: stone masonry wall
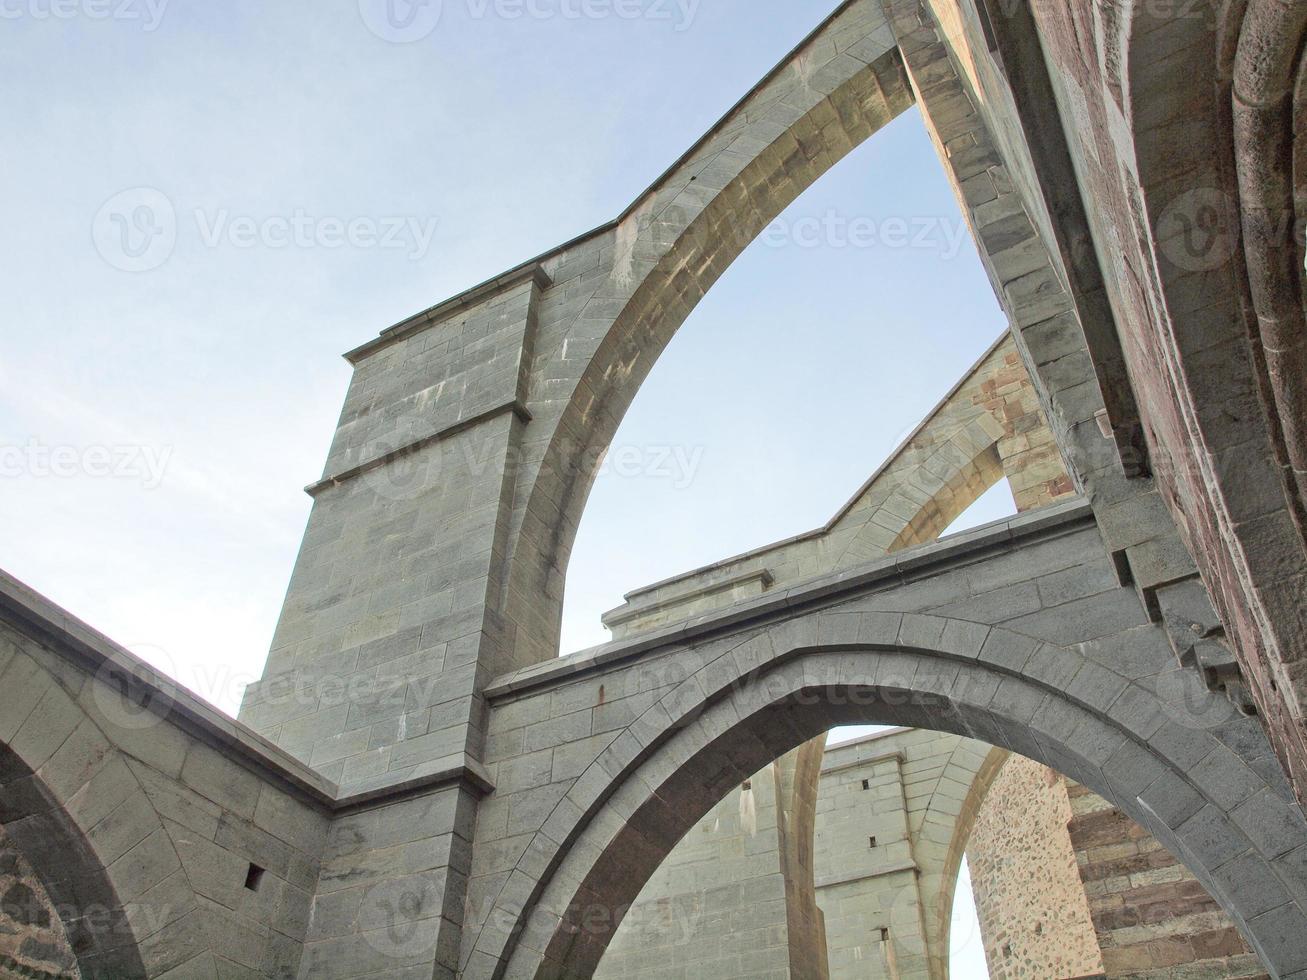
866	866
32	939
717	905
1153	919
888	906
1034	917
884	906
987	428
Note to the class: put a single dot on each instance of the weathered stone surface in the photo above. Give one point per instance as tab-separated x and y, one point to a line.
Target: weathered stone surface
1034	916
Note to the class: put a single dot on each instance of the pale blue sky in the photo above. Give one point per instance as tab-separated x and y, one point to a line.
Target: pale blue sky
157	426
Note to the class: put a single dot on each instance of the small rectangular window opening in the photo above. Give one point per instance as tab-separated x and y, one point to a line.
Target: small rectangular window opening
866	784
872	840
253	877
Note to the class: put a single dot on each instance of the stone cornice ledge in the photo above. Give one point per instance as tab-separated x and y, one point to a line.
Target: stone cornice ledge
462	425
530	272
440	774
31	613
630	611
900	568
835	880
872	760
888	869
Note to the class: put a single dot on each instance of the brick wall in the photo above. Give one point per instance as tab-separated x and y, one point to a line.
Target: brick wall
1152	918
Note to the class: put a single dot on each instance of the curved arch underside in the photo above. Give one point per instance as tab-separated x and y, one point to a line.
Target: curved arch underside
94	919
140	823
812	691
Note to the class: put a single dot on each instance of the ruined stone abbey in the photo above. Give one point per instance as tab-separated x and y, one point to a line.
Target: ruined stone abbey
1099	700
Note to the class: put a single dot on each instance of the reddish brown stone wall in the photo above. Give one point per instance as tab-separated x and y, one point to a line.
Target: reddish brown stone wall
32	939
1152	918
1183	315
1029	899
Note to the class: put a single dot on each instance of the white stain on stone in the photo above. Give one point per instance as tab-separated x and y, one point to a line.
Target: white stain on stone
628	234
805	69
748	811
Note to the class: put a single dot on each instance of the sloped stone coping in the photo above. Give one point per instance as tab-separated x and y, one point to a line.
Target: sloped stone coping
96	654
886	573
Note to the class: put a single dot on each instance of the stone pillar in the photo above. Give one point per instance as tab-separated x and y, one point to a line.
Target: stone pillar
391	623
868	876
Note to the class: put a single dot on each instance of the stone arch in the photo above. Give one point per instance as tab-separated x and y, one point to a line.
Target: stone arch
183	829
942	884
781	687
988	427
83	897
963	488
50	753
835	91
